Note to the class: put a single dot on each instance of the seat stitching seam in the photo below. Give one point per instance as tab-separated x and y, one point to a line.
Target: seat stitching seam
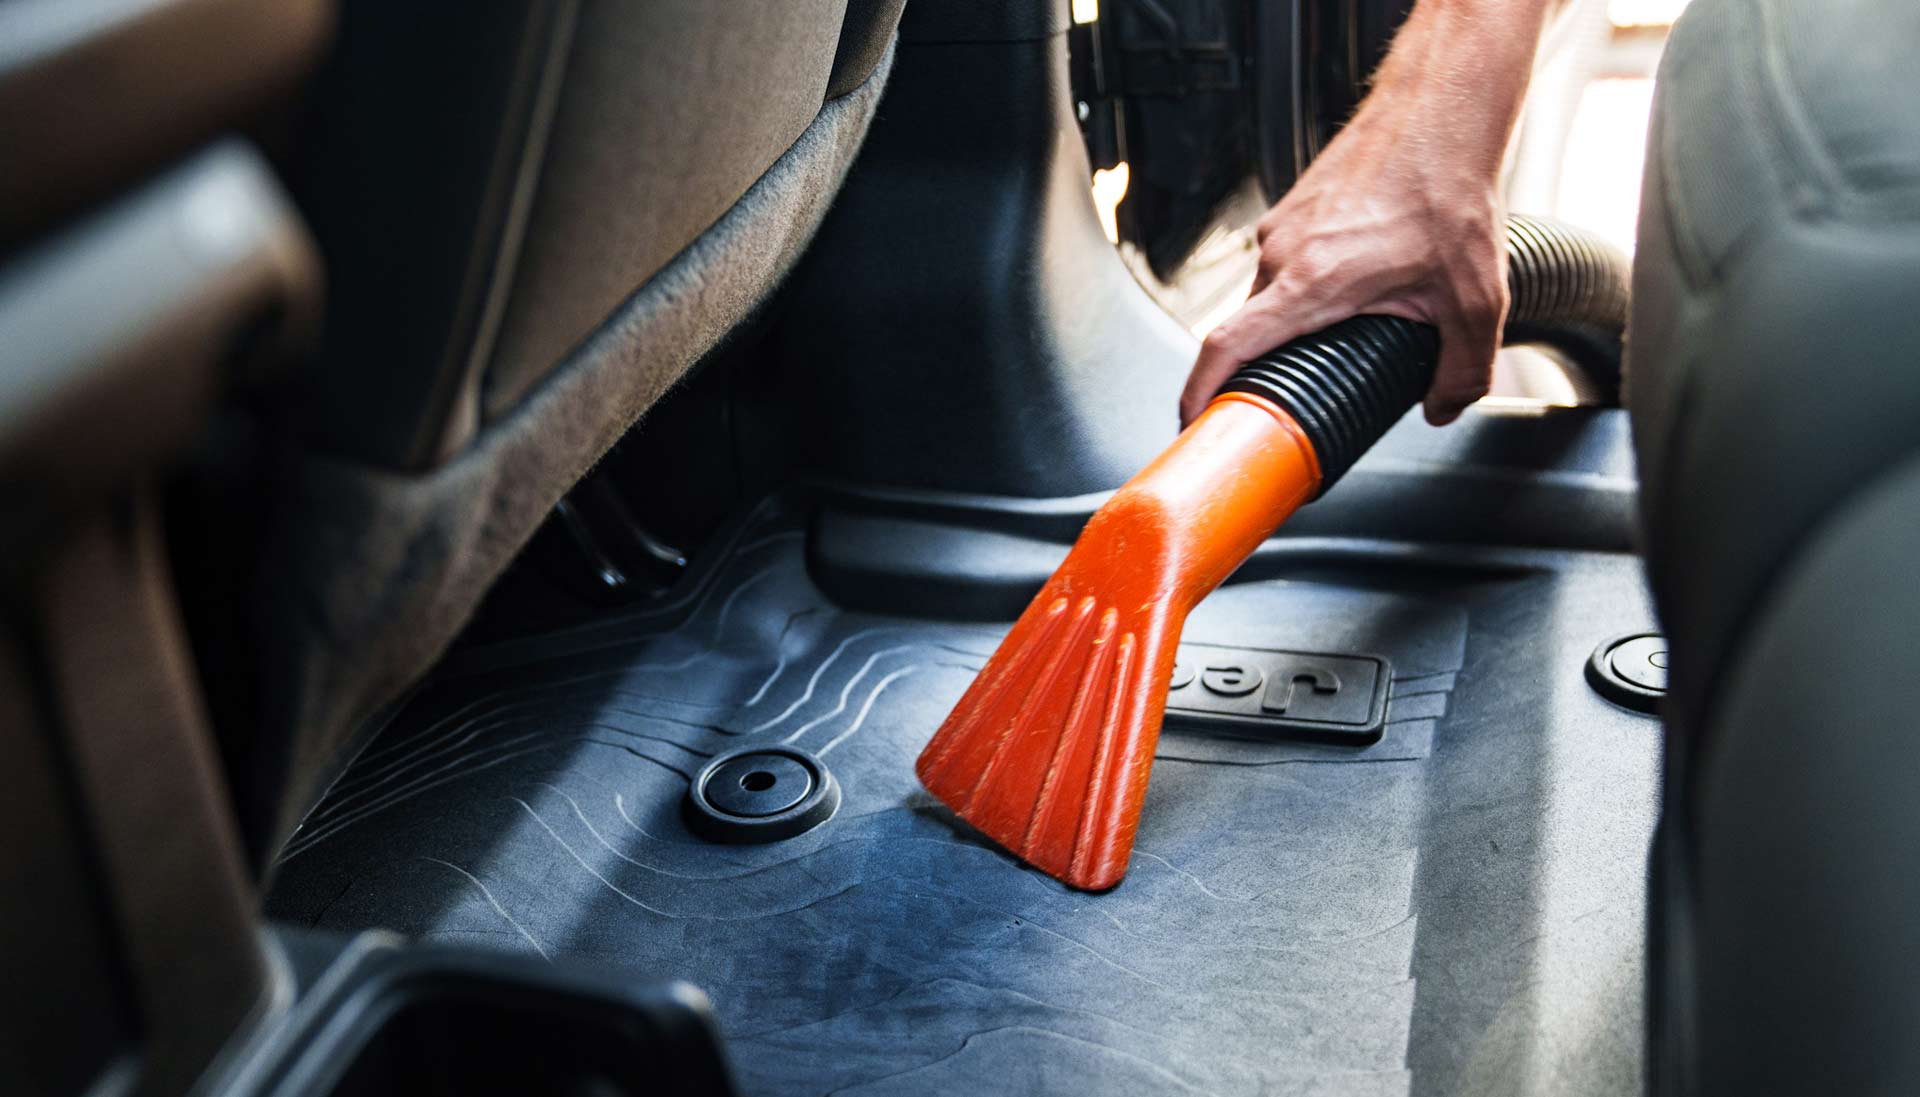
1796	131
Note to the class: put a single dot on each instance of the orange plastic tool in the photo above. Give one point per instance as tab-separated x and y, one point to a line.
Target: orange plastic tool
1049	751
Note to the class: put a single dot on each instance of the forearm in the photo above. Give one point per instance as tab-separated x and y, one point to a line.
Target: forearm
1456	77
1400	214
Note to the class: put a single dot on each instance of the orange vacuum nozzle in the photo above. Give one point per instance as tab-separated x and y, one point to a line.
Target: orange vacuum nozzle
1049	751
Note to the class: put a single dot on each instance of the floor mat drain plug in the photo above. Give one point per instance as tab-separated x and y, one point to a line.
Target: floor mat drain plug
1631	671
761	794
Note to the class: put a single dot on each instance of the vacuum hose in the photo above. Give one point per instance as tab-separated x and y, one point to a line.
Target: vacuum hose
1347	384
1049	750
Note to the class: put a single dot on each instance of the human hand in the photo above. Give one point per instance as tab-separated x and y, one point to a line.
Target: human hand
1401	214
1378	224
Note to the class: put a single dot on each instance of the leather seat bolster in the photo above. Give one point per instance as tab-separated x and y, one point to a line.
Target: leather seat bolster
1769	345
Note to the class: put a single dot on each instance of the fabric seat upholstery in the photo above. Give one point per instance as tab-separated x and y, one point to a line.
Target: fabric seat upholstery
535	218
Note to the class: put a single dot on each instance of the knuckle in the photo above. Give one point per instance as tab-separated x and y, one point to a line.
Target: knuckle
1460	391
1493	293
1269	225
1482	307
1314	261
1273	256
1266	304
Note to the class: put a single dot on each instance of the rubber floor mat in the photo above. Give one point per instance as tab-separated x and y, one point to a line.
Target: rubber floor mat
529	799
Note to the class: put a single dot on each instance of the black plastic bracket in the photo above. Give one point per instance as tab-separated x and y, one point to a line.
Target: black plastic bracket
595	545
380	1017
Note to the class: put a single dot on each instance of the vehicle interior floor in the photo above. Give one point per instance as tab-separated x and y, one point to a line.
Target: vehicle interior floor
1455	908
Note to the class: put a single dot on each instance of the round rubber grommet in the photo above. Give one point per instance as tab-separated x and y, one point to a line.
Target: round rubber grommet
1631	671
760	794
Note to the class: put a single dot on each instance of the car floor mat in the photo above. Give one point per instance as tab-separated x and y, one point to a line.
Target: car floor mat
1454	906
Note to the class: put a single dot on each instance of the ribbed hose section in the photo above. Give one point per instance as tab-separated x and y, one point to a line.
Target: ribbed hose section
1347	384
1569	291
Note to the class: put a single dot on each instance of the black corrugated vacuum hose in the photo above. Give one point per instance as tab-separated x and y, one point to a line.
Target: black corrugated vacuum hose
1347	384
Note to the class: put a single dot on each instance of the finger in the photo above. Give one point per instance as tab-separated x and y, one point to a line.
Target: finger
1463	375
1263	323
1211	369
1273	251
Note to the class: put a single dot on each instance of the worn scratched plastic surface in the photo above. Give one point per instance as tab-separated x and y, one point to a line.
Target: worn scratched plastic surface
1453	909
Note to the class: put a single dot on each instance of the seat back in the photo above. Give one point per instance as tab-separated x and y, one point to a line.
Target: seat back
149	263
536	217
1775	387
